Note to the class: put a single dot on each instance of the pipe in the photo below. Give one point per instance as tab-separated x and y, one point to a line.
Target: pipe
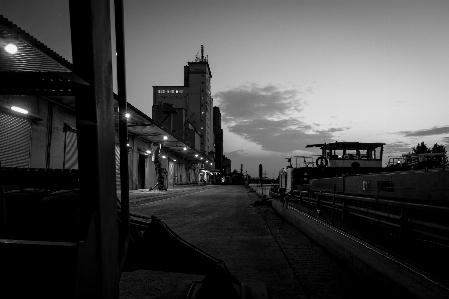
123	129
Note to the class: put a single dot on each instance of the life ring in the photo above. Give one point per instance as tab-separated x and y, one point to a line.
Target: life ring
321	162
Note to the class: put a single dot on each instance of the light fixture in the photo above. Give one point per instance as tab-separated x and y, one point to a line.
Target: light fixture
18	109
196	155
163	157
174	160
127	115
11	48
201	158
207	161
210	163
165	137
185	148
148	152
127	144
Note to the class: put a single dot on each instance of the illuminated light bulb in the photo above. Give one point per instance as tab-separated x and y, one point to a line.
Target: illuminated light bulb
11	48
18	109
165	137
148	151
127	144
185	148
127	115
164	157
196	155
201	158
174	160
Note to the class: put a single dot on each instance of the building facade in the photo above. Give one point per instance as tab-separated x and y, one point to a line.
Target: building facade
187	111
38	128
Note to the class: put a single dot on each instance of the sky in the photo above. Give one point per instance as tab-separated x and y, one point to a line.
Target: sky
286	73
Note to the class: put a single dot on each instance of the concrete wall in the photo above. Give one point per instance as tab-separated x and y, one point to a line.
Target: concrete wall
381	270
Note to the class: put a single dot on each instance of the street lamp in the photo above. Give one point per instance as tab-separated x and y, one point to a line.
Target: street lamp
11	48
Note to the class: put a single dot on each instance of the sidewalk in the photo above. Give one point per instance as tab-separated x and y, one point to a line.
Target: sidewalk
145	196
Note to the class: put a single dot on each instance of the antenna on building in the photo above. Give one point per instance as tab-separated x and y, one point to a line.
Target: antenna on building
202	53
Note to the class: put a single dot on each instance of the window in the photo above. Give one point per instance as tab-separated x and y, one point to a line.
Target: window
176	91
172	91
180	91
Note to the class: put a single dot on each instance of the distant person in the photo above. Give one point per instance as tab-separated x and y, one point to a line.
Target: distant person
425	163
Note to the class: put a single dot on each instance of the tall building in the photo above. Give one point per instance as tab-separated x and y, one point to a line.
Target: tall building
218	137
186	111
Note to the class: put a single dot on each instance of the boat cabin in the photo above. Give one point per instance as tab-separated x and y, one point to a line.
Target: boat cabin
349	154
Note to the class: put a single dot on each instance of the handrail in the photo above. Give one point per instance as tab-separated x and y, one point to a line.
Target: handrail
385	201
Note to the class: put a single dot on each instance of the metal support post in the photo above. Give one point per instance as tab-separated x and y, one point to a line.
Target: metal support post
333	204
308	199
90	23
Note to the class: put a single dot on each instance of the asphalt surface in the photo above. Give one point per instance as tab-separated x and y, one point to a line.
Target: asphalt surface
254	241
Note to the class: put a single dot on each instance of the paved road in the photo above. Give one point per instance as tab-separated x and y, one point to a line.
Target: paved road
255	243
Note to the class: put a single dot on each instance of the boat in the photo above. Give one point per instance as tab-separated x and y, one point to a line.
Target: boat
336	159
356	168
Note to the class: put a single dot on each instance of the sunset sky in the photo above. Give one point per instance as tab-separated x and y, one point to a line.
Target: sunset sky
286	73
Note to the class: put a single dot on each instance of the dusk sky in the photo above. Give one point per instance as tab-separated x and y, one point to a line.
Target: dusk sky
286	73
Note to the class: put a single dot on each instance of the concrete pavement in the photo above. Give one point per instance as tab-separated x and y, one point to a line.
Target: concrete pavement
255	242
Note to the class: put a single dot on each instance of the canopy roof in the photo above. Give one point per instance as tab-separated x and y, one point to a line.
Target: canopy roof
346	145
36	70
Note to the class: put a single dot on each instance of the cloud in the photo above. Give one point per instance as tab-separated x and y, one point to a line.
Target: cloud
426	132
270	117
445	140
252	102
397	148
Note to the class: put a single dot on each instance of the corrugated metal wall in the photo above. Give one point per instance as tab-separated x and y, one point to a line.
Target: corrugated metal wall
71	151
117	167
15	141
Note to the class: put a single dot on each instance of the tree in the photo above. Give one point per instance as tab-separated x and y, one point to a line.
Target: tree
439	161
421	148
436	161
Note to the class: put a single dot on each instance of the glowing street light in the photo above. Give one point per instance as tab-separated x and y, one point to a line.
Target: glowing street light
127	115
185	148
148	152
11	48
18	109
165	137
